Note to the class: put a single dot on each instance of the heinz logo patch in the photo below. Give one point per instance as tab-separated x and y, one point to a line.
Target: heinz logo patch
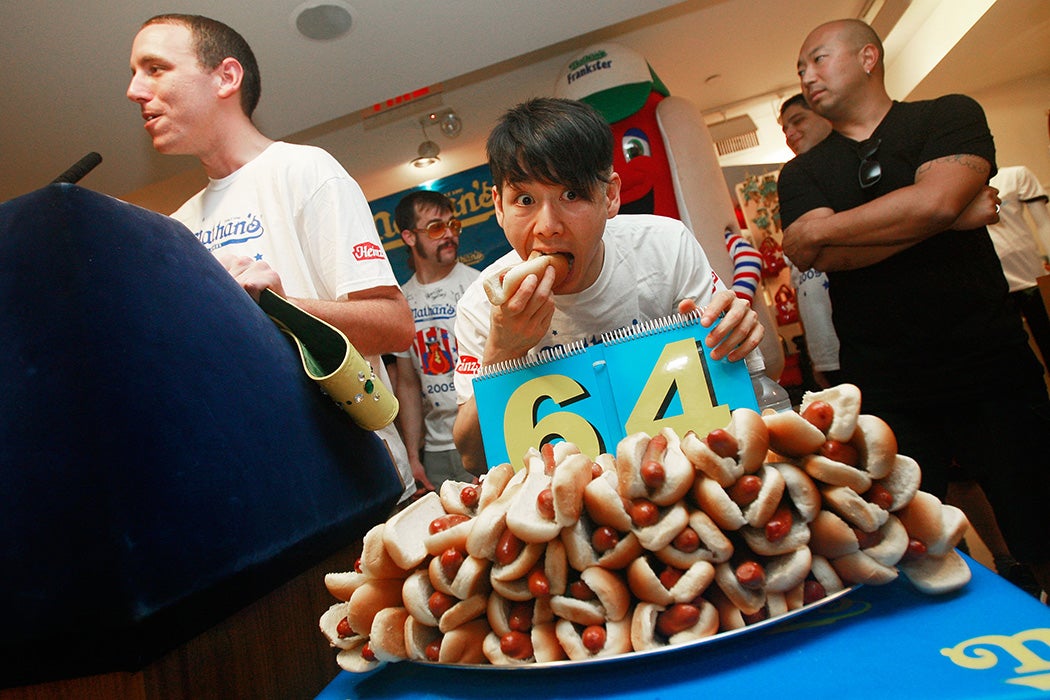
368	251
468	365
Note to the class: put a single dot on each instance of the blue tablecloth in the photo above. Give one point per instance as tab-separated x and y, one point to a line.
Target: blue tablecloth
988	640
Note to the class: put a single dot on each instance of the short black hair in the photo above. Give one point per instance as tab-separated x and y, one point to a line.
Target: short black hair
405	211
213	42
554	141
792	101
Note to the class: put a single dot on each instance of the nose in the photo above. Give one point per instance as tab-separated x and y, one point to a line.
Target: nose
806	77
136	91
548	220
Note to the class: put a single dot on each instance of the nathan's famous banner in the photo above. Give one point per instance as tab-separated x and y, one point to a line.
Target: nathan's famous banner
481	241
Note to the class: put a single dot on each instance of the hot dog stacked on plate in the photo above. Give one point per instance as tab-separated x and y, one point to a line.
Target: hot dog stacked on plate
672	539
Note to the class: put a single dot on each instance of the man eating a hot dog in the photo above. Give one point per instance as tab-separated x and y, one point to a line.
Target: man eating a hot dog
556	195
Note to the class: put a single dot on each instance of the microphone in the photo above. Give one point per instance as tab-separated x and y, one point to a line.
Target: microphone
79	169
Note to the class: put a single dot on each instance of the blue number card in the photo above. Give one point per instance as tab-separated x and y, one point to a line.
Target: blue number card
639	379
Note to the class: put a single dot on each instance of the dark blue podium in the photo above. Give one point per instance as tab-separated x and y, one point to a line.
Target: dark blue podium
164	461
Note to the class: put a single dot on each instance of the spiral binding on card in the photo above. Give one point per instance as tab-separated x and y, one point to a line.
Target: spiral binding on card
549	355
651	327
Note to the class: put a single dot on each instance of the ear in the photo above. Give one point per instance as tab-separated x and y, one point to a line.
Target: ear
612	195
497	203
229	75
869	58
409	237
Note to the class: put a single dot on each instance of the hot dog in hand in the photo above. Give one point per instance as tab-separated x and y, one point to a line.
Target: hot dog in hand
502	284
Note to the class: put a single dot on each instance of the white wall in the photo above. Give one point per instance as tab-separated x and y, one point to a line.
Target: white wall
1017	115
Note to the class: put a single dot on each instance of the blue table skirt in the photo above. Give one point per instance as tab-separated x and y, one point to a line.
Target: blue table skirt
988	640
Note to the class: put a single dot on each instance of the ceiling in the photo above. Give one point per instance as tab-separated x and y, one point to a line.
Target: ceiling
66	71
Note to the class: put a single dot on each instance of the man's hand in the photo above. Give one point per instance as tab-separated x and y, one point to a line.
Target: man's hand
253	275
981	211
419	473
802	243
736	334
521	321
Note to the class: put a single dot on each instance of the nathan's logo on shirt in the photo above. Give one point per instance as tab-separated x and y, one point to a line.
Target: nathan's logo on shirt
368	251
467	365
436	349
434	312
235	230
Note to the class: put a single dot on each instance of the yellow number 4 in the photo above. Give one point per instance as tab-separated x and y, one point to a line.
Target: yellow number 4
678	371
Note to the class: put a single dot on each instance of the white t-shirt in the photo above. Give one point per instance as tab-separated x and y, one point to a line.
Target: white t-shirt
814	309
295	207
434	352
651	263
1013	237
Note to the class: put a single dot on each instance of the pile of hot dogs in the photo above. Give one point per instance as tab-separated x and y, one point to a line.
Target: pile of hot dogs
670	540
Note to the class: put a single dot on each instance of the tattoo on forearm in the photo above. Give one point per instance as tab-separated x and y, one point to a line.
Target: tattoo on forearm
975	163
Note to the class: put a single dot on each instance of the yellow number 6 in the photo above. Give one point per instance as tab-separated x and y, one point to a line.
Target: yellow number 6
522	430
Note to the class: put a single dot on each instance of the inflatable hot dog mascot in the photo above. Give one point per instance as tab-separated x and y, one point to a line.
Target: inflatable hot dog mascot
666	162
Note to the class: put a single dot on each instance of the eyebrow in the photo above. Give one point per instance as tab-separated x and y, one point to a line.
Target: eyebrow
812	51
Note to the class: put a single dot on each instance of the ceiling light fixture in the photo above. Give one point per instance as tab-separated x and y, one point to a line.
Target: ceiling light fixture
450	125
428	153
323	21
445	119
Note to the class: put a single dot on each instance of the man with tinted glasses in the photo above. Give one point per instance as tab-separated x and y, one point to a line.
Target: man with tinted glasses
425	387
278	216
893	204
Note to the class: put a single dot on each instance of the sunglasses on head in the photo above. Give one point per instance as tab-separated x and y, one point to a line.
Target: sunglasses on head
436	229
870	171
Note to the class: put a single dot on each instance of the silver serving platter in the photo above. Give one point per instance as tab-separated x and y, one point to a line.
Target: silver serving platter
714	639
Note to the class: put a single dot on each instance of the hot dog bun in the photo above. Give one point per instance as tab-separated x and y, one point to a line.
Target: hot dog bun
654	626
803	492
937	575
748	599
404	534
342	584
331	626
579	541
792	435
502	284
845	400
653	468
858	567
603	503
831	471
387	637
786	571
353	660
727	454
711	544
617	639
366	602
848	504
525	518
651	581
478	495
876	445
462	645
937	525
464	577
902	482
670	521
611	599
376	561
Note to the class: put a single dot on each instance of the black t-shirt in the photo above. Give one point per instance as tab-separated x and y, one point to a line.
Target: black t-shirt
935	317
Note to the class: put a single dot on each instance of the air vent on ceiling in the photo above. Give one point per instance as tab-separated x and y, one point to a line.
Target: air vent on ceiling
732	135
